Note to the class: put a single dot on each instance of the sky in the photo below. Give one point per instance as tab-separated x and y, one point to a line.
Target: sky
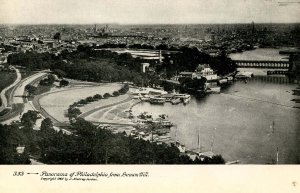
148	11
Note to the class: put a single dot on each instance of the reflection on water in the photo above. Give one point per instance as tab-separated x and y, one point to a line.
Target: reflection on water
272	79
260	54
246	122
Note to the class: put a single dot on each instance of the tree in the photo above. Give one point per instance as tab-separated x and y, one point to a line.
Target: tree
73	113
97	97
106	95
29	118
116	93
48	81
63	83
30	89
46	126
89	99
10	138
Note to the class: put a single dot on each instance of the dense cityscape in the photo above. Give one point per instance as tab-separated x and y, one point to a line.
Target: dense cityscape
144	56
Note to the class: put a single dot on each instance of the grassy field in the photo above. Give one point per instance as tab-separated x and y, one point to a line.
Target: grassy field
57	103
6	78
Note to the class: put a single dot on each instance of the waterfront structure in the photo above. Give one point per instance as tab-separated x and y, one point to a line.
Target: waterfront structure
191	75
204	71
149	91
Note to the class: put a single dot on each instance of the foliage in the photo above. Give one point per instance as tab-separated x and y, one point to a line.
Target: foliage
189	58
193	84
124	89
92	145
30	89
47	81
6	78
63	83
88	145
106	95
116	93
83	64
97	97
73	113
46	125
29	118
10	138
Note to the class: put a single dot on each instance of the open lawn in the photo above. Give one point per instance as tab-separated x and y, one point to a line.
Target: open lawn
57	103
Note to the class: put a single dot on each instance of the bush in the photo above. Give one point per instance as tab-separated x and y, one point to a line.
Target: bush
106	95
82	102
63	83
124	89
47	81
30	89
89	99
116	93
73	112
97	97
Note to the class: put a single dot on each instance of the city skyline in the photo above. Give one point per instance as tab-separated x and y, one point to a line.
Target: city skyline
148	12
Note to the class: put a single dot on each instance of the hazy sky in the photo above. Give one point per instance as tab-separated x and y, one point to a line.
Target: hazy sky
148	11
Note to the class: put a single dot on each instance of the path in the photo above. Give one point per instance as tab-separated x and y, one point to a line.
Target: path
83	115
16	98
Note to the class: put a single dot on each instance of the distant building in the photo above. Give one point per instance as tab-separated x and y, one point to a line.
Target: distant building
206	72
145	66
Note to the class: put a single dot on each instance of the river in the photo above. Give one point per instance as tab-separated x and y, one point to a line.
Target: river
246	122
260	54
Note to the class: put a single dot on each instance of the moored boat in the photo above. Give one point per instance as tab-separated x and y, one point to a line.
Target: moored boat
213	90
186	100
157	100
176	101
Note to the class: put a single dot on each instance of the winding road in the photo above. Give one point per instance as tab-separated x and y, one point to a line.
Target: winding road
2	94
16	97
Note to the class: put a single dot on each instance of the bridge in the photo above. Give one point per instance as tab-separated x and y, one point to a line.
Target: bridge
262	64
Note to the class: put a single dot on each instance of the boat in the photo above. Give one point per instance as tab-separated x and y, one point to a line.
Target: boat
145	98
242	75
168	97
214	90
166	123
176	101
182	96
141	91
230	78
186	99
223	81
157	100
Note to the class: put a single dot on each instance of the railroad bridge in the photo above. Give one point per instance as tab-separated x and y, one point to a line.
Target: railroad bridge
262	64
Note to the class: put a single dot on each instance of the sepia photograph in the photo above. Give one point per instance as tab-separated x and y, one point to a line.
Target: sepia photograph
140	83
